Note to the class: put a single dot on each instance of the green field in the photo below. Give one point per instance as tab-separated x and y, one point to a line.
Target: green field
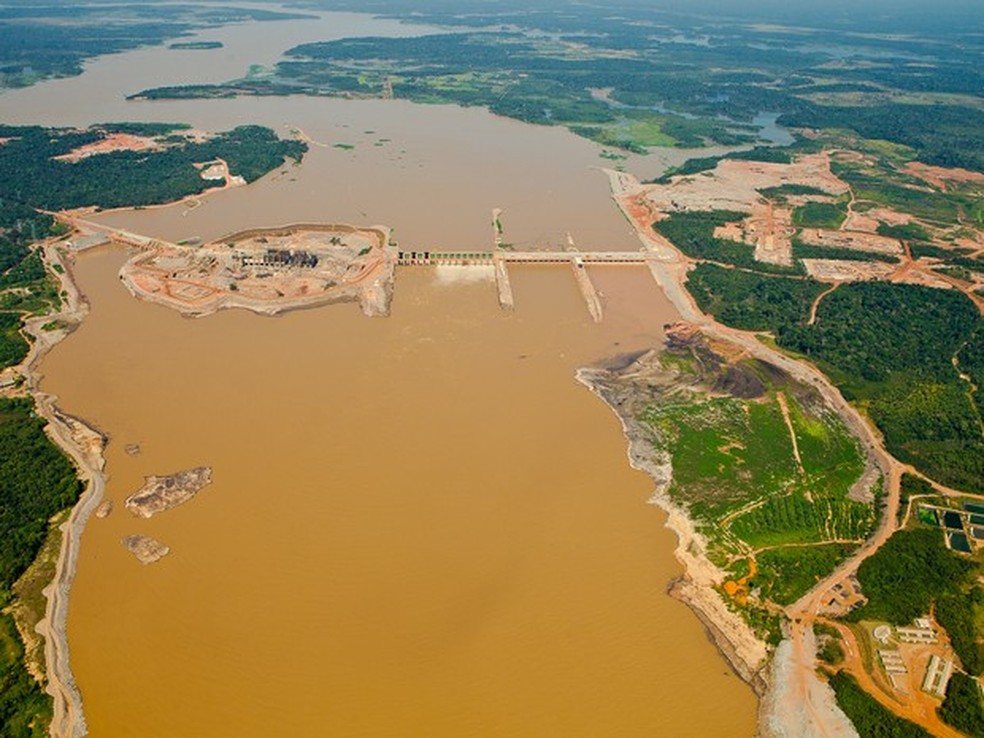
726	452
729	452
820	215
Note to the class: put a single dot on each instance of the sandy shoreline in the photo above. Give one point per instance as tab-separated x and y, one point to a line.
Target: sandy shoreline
84	445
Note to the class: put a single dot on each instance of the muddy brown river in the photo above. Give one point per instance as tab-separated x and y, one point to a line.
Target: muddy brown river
418	525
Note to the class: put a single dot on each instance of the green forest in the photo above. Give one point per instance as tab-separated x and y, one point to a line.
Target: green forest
957	611
803	250
38	481
25	710
128	178
890	348
963	707
21	268
693	233
908	574
750	301
944	135
869	717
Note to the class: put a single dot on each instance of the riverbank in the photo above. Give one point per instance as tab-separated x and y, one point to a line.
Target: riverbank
84	445
804	705
696	587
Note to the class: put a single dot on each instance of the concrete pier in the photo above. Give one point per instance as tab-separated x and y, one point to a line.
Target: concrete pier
502	283
587	289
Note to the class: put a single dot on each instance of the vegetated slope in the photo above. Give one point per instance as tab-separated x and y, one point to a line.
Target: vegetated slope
37	481
890	348
727	427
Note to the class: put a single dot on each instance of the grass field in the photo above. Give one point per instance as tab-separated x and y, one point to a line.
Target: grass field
828	215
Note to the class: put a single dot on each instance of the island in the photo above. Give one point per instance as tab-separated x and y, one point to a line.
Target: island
195	45
146	549
267	270
162	493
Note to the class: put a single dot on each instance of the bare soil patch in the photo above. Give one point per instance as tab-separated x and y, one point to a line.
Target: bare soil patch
112	142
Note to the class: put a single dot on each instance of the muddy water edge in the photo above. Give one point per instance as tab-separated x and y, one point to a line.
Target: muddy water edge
420	524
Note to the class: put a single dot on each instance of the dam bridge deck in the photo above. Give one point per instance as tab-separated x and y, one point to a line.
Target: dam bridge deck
501	258
464	258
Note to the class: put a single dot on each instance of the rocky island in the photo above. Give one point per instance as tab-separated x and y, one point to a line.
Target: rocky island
162	493
146	549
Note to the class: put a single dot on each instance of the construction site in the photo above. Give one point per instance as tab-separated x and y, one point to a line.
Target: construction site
267	270
770	194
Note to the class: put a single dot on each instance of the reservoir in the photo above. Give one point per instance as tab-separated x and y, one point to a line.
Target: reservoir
418	525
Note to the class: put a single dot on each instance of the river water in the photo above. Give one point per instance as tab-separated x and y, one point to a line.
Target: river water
419	525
